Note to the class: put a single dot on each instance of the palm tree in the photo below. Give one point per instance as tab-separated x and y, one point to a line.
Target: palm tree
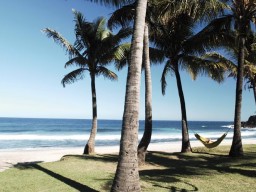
242	15
94	48
182	49
127	174
123	17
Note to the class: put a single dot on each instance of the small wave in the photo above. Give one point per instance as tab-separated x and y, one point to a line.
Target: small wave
203	126
249	128
248	133
228	126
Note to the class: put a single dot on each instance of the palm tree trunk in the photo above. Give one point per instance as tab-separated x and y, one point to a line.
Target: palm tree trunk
127	173
254	88
90	146
237	147
185	136
143	145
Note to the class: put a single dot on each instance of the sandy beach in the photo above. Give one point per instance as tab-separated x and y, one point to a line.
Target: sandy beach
10	158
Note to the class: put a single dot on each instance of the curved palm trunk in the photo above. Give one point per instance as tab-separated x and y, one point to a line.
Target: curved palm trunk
237	147
143	145
127	173
90	146
185	136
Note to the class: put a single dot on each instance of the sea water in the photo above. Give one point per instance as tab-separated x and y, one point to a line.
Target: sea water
31	133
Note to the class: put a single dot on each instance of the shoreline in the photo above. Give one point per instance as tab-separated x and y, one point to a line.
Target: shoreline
10	158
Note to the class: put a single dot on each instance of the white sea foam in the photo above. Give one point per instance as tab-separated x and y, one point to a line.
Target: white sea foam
228	126
249	128
115	137
80	137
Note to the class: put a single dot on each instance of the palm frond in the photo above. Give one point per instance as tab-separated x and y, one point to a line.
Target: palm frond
215	34
119	36
73	76
122	52
122	17
214	65
100	30
167	69
110	3
57	37
111	49
156	55
116	54
77	61
106	73
204	11
171	36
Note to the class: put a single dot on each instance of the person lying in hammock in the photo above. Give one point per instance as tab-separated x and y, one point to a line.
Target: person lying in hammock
209	141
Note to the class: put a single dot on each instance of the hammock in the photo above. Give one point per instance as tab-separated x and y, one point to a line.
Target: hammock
208	143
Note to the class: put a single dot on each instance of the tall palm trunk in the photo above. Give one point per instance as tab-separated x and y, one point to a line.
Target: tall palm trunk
90	146
127	173
237	147
143	145
185	136
254	88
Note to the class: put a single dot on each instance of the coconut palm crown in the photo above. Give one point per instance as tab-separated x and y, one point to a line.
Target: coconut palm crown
94	48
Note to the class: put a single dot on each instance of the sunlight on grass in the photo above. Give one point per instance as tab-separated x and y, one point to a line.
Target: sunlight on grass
202	170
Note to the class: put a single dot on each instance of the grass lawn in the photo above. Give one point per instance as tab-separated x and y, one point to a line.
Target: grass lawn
203	170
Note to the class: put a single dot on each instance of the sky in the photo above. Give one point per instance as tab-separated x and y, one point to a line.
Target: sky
32	66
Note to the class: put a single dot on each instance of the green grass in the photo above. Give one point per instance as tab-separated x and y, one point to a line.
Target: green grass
202	170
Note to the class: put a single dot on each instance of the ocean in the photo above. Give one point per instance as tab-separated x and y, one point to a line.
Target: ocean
32	133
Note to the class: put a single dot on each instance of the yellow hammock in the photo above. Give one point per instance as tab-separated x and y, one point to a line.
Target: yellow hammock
208	143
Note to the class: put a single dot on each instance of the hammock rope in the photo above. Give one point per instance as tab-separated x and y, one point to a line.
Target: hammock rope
208	143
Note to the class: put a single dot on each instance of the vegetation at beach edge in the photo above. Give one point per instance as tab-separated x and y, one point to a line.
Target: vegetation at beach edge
203	170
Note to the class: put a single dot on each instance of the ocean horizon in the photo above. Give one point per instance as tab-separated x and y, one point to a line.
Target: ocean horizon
33	133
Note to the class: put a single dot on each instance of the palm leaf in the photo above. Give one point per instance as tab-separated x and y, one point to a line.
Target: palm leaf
111	49
77	61
156	55
106	73
212	65
122	56
214	35
122	17
167	69
73	76
115	3
61	41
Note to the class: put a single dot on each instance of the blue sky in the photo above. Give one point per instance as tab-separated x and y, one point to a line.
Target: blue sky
32	67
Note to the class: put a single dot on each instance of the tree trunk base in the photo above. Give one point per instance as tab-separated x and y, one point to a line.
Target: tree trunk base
88	149
186	148
236	151
141	157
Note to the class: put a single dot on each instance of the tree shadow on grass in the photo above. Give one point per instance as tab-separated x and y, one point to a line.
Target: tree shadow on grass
173	166
26	165
176	189
74	184
104	158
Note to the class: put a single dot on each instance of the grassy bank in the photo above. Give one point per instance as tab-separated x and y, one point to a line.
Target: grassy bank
202	170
